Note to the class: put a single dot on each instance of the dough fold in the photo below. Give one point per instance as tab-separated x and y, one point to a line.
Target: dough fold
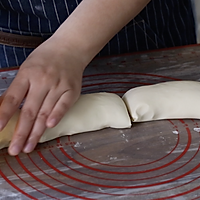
168	100
91	112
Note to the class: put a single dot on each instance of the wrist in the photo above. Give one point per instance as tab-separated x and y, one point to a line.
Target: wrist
71	49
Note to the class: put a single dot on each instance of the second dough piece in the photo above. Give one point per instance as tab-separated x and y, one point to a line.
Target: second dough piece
169	100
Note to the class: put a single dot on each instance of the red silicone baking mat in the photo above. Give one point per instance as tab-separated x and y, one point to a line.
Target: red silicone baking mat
153	160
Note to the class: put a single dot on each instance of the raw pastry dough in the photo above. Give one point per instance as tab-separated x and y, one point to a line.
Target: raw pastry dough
169	100
91	112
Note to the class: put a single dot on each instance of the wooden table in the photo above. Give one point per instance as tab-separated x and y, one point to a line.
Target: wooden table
153	160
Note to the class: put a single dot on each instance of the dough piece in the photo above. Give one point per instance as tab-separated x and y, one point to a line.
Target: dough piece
91	112
169	100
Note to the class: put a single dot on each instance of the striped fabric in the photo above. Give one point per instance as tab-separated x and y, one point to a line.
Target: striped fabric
196	8
163	23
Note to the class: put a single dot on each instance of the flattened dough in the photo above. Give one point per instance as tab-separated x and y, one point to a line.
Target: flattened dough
169	100
91	112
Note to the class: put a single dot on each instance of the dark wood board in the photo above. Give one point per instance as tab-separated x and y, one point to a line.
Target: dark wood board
152	160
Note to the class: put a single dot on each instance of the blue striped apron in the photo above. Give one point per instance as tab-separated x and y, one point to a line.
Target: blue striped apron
162	23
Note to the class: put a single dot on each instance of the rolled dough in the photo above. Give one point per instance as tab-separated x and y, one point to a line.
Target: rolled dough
169	100
91	112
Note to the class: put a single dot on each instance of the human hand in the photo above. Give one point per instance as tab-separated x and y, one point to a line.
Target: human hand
50	82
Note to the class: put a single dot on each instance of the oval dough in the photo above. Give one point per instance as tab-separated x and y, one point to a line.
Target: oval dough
169	100
91	112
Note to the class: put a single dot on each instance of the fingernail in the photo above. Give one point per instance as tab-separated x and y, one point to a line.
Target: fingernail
14	150
51	123
28	148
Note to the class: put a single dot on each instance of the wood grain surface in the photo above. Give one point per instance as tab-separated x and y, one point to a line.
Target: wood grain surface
152	160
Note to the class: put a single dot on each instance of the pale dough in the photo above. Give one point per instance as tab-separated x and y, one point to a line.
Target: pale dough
91	112
169	100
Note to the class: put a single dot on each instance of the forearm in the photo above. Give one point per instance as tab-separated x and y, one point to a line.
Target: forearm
95	22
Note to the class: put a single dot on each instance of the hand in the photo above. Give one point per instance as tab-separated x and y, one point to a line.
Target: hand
50	82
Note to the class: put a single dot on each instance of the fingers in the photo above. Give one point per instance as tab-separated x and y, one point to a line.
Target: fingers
56	107
51	82
61	107
40	122
43	107
11	100
34	136
27	118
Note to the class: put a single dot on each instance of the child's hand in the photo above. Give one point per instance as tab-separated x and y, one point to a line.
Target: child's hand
50	82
